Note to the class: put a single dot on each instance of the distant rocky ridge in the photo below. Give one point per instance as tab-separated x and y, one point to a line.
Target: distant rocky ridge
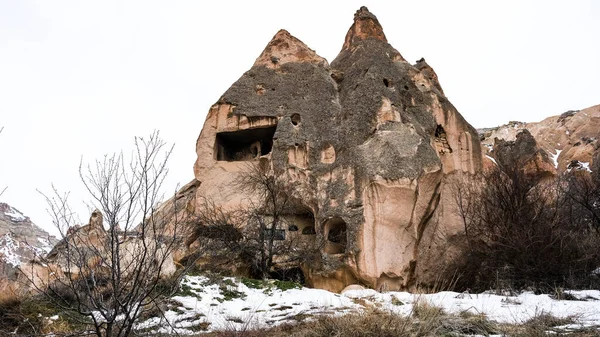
570	139
20	241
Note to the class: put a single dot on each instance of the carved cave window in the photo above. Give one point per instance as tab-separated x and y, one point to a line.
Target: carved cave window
244	145
336	235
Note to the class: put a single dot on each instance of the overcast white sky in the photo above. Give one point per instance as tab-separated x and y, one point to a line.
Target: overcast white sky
82	78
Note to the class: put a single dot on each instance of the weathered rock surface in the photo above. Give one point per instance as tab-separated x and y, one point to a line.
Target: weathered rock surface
20	241
87	249
524	154
566	138
370	139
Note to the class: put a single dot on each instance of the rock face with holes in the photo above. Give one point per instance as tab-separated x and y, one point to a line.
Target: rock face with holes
370	140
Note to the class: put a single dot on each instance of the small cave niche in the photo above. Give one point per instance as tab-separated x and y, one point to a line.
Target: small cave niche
335	235
441	140
296	119
387	82
303	222
244	145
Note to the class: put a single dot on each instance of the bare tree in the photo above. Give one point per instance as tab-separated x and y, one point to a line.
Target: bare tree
273	199
516	227
582	191
111	272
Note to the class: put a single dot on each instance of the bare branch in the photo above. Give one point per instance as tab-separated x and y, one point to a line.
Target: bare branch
110	272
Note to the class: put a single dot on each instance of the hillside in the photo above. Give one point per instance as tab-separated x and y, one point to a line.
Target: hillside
567	137
20	241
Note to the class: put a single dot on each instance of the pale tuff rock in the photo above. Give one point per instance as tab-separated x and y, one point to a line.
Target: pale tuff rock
571	136
370	140
284	48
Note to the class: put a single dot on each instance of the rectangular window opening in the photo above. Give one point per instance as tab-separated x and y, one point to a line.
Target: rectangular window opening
244	145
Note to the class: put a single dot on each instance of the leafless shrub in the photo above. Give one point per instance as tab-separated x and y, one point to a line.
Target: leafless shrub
267	242
109	273
520	235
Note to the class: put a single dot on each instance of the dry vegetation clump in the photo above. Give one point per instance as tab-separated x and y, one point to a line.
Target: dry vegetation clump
30	316
426	320
544	324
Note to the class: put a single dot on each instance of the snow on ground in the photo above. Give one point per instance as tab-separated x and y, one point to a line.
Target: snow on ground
240	306
235	306
502	309
554	157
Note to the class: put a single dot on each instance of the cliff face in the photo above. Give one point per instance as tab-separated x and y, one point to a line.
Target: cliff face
20	241
569	139
371	141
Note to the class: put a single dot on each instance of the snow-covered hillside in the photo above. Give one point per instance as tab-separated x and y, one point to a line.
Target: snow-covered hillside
20	239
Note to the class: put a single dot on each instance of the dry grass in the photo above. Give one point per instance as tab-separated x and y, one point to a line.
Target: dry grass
425	320
29	316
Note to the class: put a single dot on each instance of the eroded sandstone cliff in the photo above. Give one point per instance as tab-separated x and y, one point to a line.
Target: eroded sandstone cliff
371	141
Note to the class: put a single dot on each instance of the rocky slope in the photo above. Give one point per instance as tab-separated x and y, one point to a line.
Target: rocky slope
371	140
20	241
569	139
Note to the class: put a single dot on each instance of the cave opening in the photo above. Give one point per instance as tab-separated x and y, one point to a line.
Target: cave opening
302	221
244	145
295	119
336	236
441	140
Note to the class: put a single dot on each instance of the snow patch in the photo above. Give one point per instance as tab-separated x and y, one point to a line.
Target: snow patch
492	159
579	165
585	166
46	245
8	250
15	215
554	157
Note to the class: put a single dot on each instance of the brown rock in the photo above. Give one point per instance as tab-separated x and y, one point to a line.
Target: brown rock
284	48
370	140
570	136
21	241
523	154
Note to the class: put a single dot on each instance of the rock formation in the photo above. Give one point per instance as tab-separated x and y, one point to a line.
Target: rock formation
370	139
569	139
524	154
20	241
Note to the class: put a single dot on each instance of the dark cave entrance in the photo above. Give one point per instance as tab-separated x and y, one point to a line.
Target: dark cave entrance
336	236
244	145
